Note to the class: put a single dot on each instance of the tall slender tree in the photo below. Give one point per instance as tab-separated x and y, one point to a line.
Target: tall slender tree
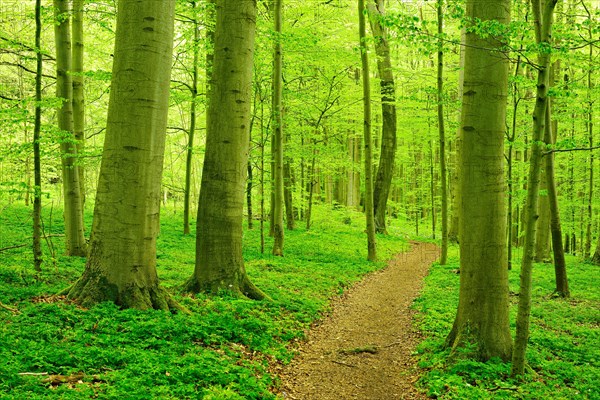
482	318
442	131
560	265
78	89
278	233
121	266
366	84
219	261
73	202
387	156
37	168
193	110
543	18
587	247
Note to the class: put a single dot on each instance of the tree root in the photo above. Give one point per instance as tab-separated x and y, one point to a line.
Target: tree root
243	289
89	291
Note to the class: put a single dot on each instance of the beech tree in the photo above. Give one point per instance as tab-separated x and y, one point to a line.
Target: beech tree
72	199
369	206
387	157
78	89
442	131
482	318
37	186
121	266
193	111
278	198
219	262
543	19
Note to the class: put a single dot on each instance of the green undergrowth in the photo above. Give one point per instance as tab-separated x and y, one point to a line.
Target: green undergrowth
564	347
226	348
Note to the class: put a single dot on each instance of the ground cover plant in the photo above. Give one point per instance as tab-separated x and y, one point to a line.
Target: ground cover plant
225	349
564	346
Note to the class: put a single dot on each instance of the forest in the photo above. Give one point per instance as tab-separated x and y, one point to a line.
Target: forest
266	199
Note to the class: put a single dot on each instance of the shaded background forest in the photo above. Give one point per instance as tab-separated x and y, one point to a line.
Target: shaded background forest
321	109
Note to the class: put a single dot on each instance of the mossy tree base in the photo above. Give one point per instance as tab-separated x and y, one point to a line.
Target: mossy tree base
238	286
91	290
467	342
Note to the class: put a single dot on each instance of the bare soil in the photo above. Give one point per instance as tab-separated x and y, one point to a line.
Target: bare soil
363	349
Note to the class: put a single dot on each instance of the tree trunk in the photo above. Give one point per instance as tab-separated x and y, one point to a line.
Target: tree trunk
37	168
560	267
122	263
352	198
442	133
542	241
78	93
73	205
192	132
249	185
278	233
453	234
543	27
369	202
511	140
482	319
590	131
311	187
219	262
432	183
287	195
387	156
596	257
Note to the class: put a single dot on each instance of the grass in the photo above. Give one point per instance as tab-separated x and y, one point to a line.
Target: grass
226	349
564	346
231	349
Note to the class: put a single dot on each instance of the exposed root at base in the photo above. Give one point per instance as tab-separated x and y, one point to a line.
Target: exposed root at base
91	291
245	288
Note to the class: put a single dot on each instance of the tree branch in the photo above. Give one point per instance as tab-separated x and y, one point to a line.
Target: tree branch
545	153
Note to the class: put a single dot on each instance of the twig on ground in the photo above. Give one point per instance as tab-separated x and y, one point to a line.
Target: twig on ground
11	309
13	247
33	373
343	363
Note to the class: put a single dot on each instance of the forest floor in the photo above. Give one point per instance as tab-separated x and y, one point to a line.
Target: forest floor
364	348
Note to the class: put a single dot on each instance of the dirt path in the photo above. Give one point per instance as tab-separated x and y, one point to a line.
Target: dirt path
363	349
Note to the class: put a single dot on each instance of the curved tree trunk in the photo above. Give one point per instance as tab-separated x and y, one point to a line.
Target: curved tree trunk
73	203
543	26
560	266
219	261
482	319
387	156
122	263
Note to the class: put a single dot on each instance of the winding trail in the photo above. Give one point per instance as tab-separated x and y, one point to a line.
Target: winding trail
363	349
